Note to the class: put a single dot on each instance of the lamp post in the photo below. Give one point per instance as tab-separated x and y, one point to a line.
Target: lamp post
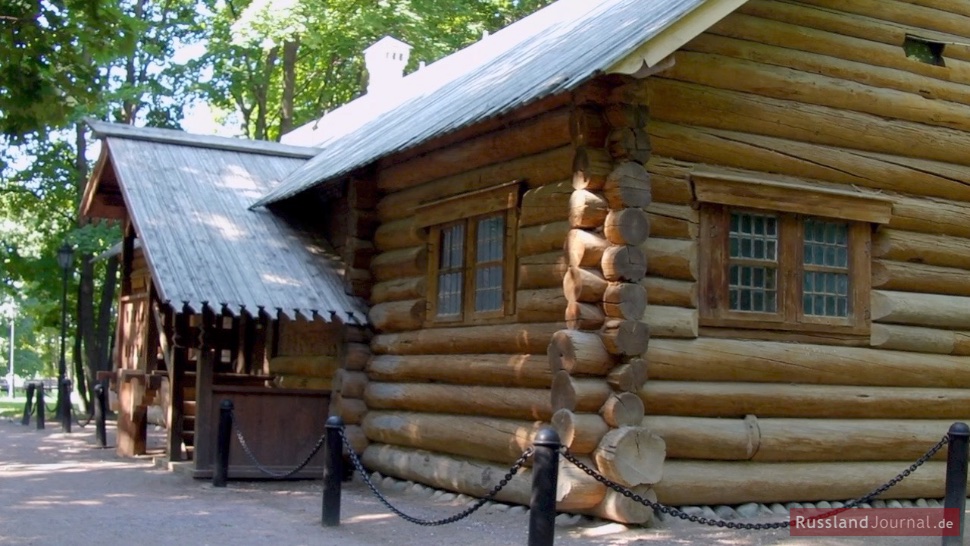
65	258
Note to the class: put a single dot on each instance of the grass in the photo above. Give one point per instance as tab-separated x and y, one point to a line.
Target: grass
11	407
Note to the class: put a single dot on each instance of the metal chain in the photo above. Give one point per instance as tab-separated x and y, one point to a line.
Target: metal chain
513	470
78	419
263	469
675	512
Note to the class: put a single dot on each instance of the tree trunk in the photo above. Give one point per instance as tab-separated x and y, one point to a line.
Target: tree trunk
290	49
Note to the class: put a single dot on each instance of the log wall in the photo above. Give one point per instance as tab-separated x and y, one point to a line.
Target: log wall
802	89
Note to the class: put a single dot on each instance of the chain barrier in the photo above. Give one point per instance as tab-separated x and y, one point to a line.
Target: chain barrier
359	467
677	513
267	471
78	419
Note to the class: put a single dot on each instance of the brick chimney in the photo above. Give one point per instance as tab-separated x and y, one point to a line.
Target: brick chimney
385	61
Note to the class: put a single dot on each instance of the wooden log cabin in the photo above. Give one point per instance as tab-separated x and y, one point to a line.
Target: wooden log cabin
720	245
218	302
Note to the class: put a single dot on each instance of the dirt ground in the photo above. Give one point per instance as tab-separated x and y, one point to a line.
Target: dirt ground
59	489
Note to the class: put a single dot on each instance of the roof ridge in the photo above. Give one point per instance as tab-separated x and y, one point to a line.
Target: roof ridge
182	138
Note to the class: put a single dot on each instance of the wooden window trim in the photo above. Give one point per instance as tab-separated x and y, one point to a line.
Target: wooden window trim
790	316
468	209
719	192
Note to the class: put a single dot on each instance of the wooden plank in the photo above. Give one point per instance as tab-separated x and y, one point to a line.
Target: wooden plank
205	426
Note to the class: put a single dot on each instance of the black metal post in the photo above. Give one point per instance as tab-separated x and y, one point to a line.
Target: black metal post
28	405
222	444
956	476
100	415
68	417
40	406
333	472
545	475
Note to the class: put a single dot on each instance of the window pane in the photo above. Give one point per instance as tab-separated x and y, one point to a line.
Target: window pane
450	276
449	294
489	244
826	293
752	289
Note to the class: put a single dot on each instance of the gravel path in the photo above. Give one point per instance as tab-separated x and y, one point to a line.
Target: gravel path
58	489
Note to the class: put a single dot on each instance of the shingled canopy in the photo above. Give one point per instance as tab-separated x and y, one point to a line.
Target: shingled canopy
187	197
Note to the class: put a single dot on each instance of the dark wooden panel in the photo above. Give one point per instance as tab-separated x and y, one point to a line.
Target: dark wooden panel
281	427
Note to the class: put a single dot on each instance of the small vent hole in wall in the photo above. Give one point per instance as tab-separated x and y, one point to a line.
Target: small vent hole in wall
923	50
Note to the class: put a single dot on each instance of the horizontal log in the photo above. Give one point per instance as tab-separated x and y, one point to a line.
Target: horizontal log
693	104
629	226
350	384
356	355
538	170
351	410
927	215
579	432
727	399
840	53
628	185
398	234
408	288
619	508
584	248
628	377
545	204
578	394
460	399
625	300
672	322
801	159
624	263
542	270
575	489
584	284
907	246
669	178
515	370
706	438
774	362
624	409
591	166
777	82
303	382
458	474
584	316
499	338
625	114
543	305
625	337
491	439
578	353
542	239
672	221
588	126
915	277
631	456
671	258
791	440
920	340
406	262
629	144
397	316
933	310
586	209
539	134
464	475
308	366
356	438
670	292
709	482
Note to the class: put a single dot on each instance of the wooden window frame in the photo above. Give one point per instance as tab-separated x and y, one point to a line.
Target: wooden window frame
469	209
719	193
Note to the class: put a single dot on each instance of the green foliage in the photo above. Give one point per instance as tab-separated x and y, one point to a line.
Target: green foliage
52	51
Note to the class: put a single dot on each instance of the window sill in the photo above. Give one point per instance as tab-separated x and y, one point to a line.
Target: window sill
789	336
782	328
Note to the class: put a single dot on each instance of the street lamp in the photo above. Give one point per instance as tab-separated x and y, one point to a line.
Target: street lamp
65	258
